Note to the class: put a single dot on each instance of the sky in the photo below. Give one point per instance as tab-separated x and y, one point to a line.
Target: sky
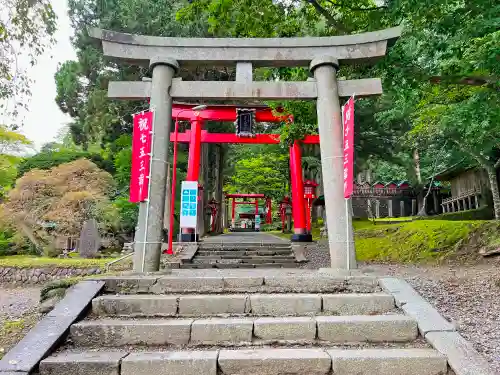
44	119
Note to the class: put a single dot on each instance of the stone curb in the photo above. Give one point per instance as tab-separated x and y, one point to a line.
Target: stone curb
440	333
46	334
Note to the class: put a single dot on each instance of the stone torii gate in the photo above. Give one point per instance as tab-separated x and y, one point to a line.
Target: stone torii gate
165	56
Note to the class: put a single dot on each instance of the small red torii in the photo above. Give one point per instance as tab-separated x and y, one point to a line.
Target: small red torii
256	202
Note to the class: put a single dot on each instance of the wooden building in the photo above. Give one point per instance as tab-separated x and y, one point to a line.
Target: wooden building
469	188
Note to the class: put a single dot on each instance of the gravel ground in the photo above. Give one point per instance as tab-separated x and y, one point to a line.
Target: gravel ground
468	296
18	314
15	302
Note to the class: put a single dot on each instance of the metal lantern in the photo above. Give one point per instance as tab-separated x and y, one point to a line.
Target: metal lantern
310	189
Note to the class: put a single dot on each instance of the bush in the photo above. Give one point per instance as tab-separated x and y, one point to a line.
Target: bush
6	243
49	159
57	284
483	213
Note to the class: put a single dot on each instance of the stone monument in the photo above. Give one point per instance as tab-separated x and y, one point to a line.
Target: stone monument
90	241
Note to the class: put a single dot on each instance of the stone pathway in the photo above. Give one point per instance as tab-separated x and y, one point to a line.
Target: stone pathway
245	237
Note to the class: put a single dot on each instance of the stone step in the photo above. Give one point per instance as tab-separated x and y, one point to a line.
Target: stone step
246	257
245	330
240	262
266	361
236	253
143	305
237	245
202	265
250	281
250	249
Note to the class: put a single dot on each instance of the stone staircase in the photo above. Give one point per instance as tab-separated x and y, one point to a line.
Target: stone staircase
244	322
243	255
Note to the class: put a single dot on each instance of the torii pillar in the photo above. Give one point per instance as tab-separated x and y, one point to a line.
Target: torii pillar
341	243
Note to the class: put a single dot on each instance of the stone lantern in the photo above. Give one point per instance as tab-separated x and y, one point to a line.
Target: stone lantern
211	210
285	208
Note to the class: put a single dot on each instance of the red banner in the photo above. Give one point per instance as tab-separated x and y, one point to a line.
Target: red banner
141	156
348	118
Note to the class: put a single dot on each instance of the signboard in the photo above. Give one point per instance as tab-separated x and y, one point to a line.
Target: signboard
245	122
141	156
189	204
257	222
348	120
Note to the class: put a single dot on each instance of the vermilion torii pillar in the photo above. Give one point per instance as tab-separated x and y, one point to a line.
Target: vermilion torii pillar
298	207
323	54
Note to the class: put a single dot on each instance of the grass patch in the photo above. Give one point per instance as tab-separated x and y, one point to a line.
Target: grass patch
28	261
12	331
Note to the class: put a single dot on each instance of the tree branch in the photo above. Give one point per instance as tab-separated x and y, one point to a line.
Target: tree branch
330	18
497	164
341	5
470	81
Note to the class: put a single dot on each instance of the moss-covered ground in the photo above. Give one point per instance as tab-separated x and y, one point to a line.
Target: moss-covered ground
421	241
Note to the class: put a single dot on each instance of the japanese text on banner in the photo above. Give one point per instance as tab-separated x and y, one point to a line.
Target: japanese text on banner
141	156
348	119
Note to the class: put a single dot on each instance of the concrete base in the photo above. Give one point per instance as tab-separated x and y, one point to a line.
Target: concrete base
304	237
189	237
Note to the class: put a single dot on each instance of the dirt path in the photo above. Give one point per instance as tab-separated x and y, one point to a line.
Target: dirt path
18	314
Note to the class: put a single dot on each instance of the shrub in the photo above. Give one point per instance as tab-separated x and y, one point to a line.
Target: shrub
49	159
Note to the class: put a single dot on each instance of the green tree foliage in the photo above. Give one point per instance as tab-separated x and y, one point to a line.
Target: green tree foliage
26	29
261	174
440	82
12	143
49	159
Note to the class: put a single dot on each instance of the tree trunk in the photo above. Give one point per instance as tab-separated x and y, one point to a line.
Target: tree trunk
492	177
416	160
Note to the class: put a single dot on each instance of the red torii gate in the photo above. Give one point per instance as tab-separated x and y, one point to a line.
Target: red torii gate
196	136
256	202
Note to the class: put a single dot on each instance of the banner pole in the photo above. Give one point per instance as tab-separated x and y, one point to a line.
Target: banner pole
347	233
145	239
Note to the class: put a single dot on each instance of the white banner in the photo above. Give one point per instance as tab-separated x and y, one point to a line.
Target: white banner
189	204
